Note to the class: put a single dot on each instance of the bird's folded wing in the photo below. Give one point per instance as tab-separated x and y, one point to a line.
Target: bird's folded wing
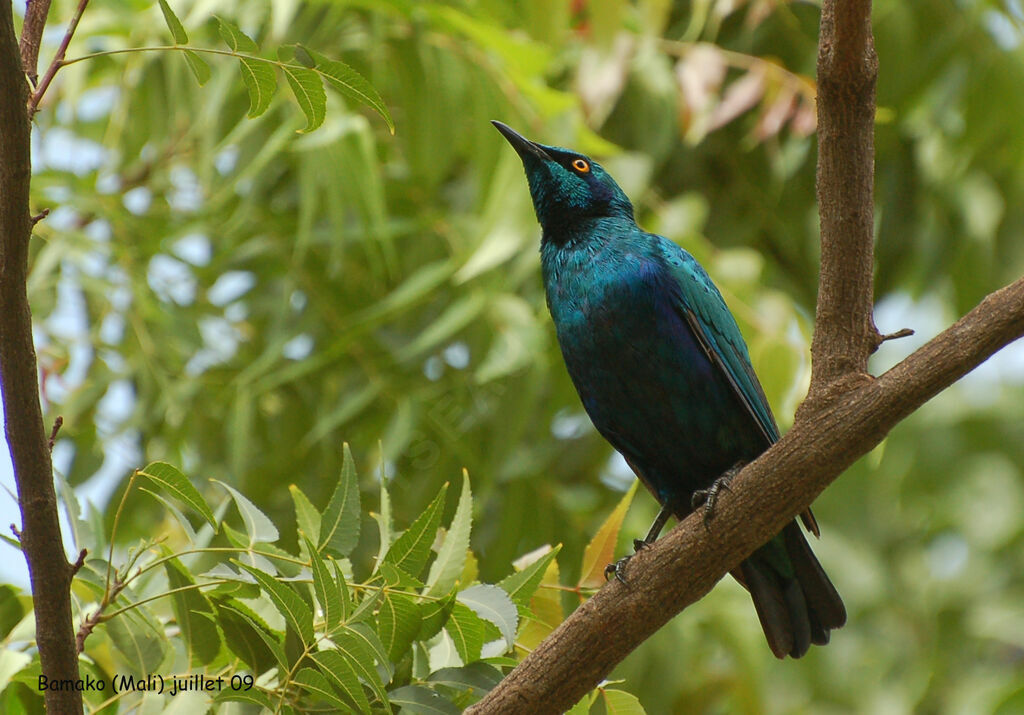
701	306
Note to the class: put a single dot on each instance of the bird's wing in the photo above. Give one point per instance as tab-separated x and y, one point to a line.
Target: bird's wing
701	306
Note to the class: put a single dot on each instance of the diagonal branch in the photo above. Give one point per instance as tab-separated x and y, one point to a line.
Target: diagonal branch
682	567
58	60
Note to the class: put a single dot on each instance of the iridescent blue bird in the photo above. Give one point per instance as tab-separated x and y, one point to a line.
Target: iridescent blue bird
664	374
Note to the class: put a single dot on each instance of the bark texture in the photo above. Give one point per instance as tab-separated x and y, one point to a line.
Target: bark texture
844	329
49	570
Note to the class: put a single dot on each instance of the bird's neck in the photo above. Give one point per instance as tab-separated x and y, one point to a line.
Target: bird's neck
586	230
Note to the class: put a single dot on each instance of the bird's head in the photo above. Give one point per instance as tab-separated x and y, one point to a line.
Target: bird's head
566	187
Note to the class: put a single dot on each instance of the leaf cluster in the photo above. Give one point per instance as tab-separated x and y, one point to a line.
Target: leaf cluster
290	631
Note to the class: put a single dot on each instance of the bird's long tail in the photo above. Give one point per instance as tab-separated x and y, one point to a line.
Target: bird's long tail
795	601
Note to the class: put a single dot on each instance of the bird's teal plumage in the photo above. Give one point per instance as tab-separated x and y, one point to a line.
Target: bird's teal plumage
663	371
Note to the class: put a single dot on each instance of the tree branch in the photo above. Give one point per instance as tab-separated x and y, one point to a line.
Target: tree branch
846	414
844	330
31	36
58	60
48	567
682	567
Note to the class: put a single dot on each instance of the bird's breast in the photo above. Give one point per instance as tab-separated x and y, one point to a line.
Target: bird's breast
591	291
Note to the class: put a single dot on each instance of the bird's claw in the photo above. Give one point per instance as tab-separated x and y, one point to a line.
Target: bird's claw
618	569
709	497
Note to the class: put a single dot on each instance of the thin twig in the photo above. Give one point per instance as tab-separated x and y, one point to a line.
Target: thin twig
90	622
58	59
878	338
79	562
901	333
113	534
36	218
57	423
36	12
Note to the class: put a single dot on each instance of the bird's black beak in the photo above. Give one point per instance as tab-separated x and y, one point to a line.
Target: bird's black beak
523	146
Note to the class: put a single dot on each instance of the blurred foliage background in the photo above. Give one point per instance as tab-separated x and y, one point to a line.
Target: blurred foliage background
238	298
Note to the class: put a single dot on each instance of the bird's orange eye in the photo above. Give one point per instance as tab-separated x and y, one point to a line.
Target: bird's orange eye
581	166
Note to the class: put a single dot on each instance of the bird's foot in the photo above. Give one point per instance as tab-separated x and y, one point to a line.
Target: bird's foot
618	569
709	497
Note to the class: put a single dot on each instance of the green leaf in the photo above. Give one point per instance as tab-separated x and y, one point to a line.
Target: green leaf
451	558
11	663
248	553
493	604
242	638
339	580
257	73
202	638
601	550
178	486
396	577
326	589
422	701
271	641
369	637
583	706
435	614
261	82
521	586
366	607
254	696
306	515
398	622
198	65
478	678
304	58
545	611
365	652
467	632
384	525
313	681
288	603
234	38
11	610
309	93
173	24
619	702
411	549
258	525
350	83
339	527
79	527
186	527
140	639
342	675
